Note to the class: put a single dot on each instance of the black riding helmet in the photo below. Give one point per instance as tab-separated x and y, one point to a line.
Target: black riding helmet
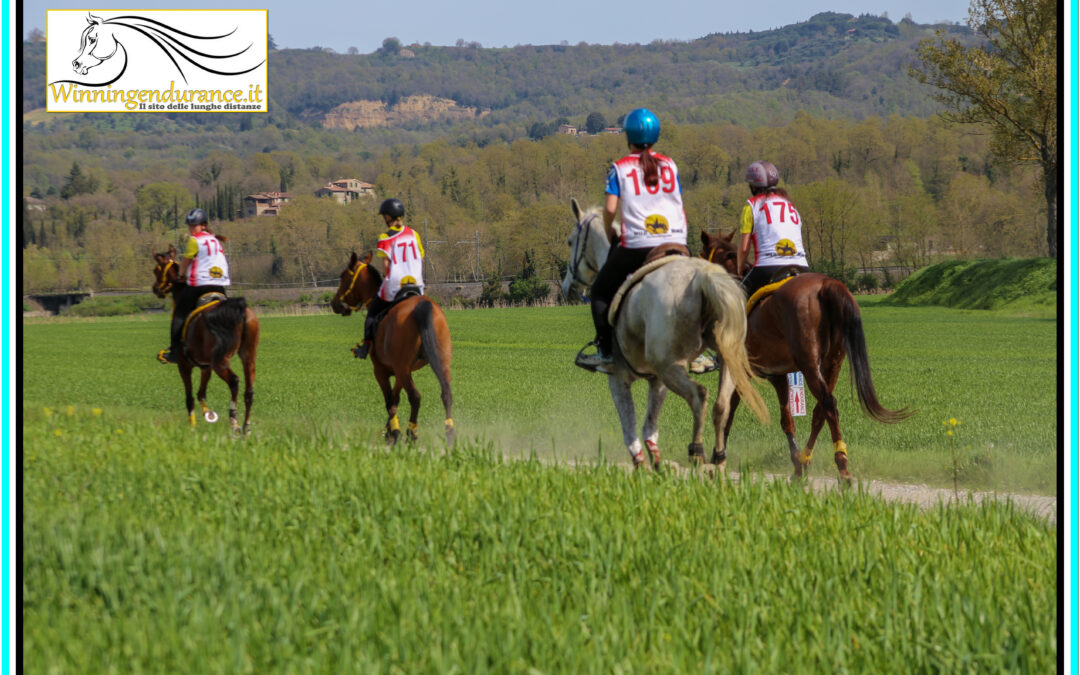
196	217
392	207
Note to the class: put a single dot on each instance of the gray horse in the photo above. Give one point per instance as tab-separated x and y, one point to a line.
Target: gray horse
665	321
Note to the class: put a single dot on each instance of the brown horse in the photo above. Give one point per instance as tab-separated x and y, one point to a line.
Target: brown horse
809	324
213	335
411	335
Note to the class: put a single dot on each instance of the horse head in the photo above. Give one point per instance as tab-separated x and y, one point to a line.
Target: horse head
97	44
720	249
359	285
166	272
589	246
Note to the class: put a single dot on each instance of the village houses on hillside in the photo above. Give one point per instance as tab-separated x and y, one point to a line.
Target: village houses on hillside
264	203
345	190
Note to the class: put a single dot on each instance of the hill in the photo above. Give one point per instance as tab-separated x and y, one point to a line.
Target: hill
834	65
1020	284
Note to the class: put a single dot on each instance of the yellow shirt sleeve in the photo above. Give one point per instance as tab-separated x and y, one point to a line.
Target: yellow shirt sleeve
746	221
192	249
418	244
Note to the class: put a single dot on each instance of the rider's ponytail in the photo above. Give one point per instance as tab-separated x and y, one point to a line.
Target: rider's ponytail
650	167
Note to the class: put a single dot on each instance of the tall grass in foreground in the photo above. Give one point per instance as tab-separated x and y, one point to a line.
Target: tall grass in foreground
156	548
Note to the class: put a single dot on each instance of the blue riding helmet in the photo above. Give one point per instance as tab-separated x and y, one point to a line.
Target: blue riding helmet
642	127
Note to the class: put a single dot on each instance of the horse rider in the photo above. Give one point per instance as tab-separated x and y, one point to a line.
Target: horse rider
400	259
203	269
769	220
644	188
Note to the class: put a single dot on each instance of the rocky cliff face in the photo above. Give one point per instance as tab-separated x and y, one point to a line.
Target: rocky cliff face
353	114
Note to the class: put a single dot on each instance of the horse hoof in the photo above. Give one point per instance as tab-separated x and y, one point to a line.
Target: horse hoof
393	436
718	458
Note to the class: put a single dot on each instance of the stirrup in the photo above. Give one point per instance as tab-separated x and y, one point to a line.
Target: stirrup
166	356
594	362
360	350
704	363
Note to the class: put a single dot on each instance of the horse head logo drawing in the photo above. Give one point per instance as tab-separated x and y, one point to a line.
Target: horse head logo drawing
99	43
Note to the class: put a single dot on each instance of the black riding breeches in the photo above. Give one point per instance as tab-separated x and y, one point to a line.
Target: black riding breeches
620	263
762	275
375	310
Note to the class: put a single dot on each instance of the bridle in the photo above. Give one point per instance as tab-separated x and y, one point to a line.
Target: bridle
341	296
580	247
164	285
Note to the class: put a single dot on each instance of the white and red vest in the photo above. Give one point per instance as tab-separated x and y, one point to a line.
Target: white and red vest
406	257
208	264
649	215
777	234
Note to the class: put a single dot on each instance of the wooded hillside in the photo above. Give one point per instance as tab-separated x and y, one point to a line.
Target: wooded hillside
490	194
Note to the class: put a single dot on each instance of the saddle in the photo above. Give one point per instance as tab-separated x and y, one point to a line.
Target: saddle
658	257
779	279
406	291
205	302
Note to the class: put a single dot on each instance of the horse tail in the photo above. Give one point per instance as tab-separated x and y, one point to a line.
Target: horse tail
222	322
728	304
424	315
844	313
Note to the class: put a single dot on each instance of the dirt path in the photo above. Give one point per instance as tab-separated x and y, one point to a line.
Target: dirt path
922	495
925	496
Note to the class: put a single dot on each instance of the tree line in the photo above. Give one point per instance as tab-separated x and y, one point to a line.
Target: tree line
879	191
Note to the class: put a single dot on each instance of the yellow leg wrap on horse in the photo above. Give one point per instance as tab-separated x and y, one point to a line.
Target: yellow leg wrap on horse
413	426
840	447
191	419
449	422
806	455
394	424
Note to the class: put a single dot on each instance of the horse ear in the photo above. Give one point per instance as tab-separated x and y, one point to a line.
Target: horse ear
172	251
367	257
576	208
704	238
731	236
352	260
91	19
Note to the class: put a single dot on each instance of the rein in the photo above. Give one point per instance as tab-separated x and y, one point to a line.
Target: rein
348	291
165	285
580	246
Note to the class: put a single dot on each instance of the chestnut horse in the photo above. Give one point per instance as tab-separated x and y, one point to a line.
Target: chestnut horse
213	335
411	335
809	324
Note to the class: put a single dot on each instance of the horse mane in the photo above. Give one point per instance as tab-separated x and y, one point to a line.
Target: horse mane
612	232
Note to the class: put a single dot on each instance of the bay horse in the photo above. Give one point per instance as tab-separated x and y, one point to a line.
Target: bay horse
808	324
665	321
413	334
212	337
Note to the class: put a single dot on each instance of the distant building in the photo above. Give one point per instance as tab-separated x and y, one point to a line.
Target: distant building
264	203
35	204
568	129
612	130
345	190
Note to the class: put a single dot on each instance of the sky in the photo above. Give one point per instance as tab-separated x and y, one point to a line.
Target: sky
498	23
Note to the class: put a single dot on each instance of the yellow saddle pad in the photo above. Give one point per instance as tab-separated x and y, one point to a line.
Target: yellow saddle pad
766	290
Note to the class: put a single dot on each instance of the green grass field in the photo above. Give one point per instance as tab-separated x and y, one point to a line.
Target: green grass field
516	388
309	547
